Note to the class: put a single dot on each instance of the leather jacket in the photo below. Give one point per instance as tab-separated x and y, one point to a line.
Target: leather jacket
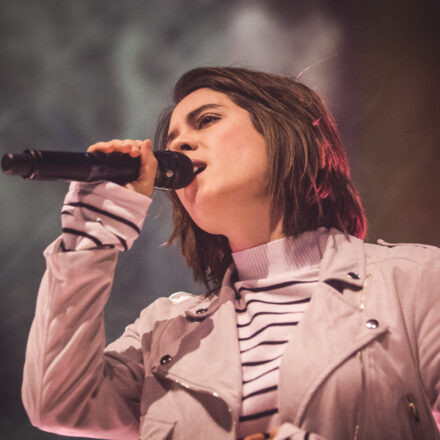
364	362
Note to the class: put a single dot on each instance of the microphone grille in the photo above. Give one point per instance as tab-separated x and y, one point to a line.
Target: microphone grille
175	170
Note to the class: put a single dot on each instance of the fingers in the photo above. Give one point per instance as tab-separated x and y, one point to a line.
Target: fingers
148	160
147	173
258	436
274	432
135	148
128	146
263	436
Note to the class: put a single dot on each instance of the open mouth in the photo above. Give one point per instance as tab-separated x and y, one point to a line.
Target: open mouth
199	167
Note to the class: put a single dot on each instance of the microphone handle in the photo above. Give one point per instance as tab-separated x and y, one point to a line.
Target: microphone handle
175	170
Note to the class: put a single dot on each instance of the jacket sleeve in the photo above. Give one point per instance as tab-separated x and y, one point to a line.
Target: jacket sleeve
427	313
70	385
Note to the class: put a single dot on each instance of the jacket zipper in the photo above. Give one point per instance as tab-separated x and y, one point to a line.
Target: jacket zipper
361	397
414	413
364	293
212	393
361	365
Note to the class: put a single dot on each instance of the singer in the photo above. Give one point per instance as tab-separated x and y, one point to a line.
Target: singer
305	331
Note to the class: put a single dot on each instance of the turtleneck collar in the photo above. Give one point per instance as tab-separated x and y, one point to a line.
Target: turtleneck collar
280	256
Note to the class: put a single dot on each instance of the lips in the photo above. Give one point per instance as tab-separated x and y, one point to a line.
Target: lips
198	166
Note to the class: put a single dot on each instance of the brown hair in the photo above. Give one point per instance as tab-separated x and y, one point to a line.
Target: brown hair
309	179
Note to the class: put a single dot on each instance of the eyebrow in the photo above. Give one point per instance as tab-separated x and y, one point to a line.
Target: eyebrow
191	118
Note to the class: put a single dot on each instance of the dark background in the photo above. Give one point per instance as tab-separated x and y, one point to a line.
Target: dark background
76	72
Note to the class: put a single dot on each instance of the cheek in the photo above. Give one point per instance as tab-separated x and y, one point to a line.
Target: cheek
245	146
254	159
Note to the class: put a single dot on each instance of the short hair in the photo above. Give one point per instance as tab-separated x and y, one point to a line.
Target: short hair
309	174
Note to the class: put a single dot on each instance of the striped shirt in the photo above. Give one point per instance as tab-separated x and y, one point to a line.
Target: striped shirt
275	285
102	214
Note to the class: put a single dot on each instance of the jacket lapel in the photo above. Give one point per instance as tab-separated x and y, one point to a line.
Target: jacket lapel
212	366
333	328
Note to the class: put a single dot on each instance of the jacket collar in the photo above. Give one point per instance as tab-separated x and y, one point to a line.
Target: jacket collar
210	303
343	260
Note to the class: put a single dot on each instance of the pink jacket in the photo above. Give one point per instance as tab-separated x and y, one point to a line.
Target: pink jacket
364	363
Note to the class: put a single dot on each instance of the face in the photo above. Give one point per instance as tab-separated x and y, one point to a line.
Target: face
221	140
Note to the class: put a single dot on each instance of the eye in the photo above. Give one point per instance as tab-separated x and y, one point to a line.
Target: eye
205	120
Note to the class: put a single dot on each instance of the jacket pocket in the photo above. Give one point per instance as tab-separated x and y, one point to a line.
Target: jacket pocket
154	428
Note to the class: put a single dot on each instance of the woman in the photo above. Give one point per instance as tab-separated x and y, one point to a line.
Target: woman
273	226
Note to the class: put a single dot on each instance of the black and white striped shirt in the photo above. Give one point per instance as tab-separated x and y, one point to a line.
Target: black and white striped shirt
275	287
91	219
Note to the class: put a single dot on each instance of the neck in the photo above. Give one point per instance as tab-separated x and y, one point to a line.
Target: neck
253	231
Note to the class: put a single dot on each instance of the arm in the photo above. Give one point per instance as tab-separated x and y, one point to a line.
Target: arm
69	385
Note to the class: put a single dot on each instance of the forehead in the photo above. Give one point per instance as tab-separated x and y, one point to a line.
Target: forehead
197	99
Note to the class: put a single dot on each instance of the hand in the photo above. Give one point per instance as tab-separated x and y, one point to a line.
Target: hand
260	436
135	148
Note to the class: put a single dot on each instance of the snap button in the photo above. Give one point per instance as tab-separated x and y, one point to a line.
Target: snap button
165	360
372	323
201	311
353	275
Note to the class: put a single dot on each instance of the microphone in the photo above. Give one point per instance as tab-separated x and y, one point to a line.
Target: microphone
175	170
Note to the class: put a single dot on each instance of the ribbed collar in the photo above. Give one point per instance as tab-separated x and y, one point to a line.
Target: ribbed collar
281	256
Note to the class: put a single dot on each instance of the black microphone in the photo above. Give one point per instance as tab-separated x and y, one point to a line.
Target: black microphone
175	170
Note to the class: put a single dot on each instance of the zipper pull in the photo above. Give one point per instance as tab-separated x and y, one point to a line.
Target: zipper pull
412	408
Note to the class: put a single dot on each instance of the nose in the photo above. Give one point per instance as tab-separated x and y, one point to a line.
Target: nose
182	146
183	142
